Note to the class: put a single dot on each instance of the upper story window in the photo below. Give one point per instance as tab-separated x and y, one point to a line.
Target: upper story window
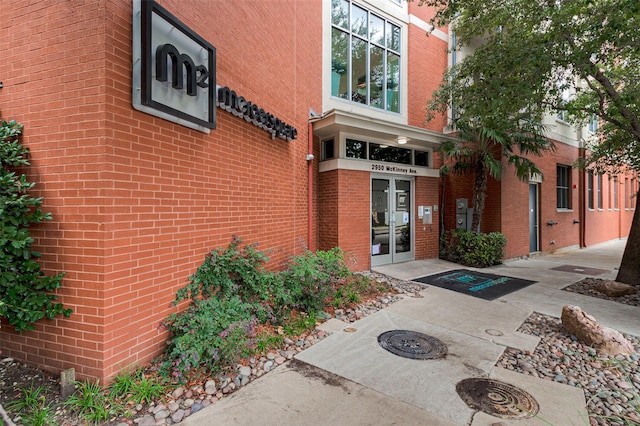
567	94
593	124
562	115
365	57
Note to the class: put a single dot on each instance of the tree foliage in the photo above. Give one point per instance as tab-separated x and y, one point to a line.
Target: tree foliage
480	152
25	291
533	58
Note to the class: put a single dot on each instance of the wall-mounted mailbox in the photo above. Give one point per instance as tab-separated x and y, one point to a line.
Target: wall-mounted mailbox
427	217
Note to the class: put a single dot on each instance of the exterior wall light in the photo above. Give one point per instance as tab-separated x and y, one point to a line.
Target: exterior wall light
402	141
310	157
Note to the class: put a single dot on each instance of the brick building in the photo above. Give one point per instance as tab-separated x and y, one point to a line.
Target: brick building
290	123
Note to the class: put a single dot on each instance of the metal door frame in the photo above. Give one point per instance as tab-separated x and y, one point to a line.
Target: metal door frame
534	213
392	256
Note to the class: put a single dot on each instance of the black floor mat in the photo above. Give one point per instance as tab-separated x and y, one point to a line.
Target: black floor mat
477	284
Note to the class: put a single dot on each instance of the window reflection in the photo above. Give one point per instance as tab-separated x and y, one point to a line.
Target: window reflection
385	153
356	149
365	57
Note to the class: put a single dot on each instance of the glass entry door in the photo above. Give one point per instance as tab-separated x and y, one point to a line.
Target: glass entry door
391	221
533	218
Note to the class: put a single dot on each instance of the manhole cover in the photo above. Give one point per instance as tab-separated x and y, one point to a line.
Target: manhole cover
411	344
497	398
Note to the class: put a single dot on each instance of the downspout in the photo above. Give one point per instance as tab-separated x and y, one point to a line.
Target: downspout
620	204
582	211
310	188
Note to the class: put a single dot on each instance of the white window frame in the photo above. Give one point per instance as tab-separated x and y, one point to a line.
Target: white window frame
388	10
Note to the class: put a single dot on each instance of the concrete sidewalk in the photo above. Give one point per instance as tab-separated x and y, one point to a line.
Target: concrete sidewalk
348	379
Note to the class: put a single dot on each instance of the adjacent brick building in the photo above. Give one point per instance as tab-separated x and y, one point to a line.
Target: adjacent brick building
140	194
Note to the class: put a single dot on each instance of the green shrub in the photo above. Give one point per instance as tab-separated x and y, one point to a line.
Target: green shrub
309	278
25	291
231	292
211	333
471	249
232	271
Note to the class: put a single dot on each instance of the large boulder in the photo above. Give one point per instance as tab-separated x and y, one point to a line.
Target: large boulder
582	325
614	288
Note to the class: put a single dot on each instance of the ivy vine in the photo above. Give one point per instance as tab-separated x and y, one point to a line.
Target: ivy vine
25	291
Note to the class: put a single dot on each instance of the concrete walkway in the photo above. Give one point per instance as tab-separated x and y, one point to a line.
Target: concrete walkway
348	379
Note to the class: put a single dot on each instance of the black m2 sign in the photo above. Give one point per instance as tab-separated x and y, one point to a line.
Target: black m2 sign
174	69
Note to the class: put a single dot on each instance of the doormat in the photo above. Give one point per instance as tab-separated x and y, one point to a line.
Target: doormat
580	269
477	284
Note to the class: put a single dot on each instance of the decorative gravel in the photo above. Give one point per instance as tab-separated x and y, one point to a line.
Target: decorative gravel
587	287
611	384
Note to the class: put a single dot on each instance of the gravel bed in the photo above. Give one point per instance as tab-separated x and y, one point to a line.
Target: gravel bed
186	400
587	287
611	384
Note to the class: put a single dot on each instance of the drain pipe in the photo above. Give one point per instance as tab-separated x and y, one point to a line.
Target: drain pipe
582	208
310	186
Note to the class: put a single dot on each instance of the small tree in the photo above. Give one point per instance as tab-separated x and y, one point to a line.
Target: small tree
25	291
534	58
481	150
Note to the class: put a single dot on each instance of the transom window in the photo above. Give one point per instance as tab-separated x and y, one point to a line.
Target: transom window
365	57
562	187
385	153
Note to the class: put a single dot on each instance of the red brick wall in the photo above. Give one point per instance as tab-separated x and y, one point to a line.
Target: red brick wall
328	210
427	236
427	63
354	216
507	205
608	223
54	77
138	201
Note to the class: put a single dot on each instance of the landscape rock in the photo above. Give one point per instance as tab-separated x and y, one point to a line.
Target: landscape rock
614	288
607	340
177	393
178	416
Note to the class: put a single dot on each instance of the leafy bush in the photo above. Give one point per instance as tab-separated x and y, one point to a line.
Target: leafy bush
309	276
471	249
212	333
25	291
224	273
231	292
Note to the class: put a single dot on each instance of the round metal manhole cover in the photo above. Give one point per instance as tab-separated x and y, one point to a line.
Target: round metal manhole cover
497	398
411	344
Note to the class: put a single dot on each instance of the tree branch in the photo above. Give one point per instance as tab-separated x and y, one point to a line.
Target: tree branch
596	73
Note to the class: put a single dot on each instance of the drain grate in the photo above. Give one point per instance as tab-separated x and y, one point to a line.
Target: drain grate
411	344
497	398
